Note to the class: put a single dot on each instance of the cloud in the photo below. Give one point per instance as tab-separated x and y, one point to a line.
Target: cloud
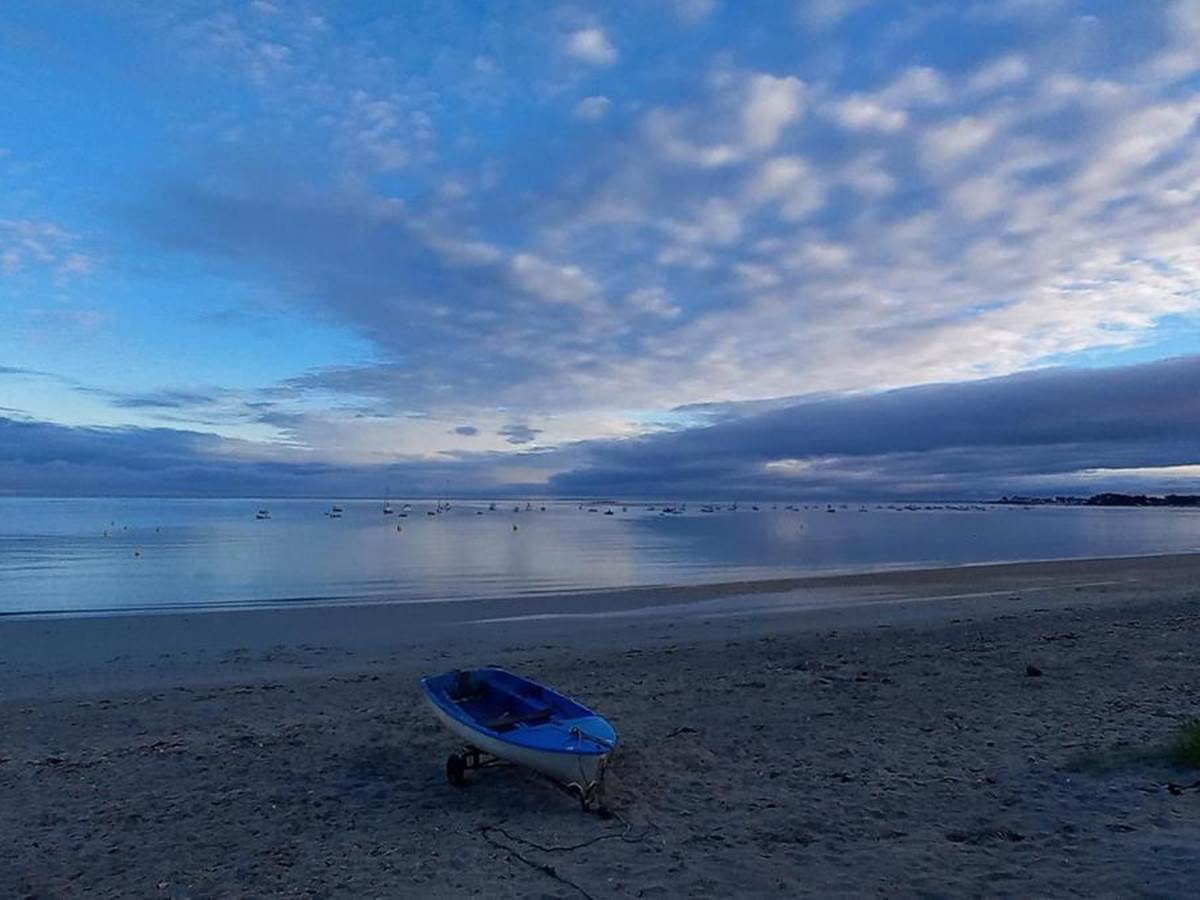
466	430
772	104
974	439
41	458
553	282
955	140
37	246
1002	72
763	219
592	108
592	46
516	433
1057	430
165	399
863	114
652	301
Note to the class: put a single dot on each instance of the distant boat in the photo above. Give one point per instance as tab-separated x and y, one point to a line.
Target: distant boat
387	503
335	512
491	507
263	514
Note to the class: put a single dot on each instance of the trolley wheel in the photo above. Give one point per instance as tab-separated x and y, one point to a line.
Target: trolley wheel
456	770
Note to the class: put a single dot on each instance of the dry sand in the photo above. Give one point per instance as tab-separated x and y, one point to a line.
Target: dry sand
850	736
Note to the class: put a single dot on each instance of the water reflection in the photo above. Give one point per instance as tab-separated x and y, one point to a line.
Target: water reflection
105	554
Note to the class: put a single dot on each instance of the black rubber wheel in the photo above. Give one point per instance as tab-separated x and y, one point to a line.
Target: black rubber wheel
456	769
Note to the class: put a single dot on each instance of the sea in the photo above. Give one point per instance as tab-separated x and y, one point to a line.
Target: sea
102	555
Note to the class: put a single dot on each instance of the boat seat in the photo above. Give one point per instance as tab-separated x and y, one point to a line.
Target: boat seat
508	720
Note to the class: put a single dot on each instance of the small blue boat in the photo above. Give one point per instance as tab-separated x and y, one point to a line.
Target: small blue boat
502	715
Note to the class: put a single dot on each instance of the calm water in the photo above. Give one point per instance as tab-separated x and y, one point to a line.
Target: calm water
90	555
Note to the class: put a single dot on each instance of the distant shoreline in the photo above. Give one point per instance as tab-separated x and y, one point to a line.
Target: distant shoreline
1180	501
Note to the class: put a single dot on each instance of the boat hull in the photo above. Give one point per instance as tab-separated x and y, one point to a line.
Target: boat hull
515	719
567	768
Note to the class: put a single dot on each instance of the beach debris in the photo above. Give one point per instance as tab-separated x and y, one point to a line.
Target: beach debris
1177	789
1032	671
983	835
686	729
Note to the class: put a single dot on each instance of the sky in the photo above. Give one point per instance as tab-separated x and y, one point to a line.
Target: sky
815	248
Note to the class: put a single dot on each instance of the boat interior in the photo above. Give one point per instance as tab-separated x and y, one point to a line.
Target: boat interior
501	707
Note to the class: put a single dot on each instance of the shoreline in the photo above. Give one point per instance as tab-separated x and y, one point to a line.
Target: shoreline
59	655
845	577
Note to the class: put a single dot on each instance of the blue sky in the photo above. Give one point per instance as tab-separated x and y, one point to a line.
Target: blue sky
490	244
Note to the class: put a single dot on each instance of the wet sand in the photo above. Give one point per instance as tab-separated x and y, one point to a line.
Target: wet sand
844	735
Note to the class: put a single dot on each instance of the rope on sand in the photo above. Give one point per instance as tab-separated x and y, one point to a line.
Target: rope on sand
485	830
544	868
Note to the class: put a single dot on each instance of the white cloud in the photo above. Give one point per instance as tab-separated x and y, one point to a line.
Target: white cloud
916	86
553	282
591	45
868	175
592	108
1181	56
951	142
34	245
771	105
1138	139
859	113
653	301
980	197
666	131
821	255
1003	72
788	182
715	222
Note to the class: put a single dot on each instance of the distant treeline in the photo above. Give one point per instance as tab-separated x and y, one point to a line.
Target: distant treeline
1108	499
1143	500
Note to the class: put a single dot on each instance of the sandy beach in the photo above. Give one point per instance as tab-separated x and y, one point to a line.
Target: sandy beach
839	736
